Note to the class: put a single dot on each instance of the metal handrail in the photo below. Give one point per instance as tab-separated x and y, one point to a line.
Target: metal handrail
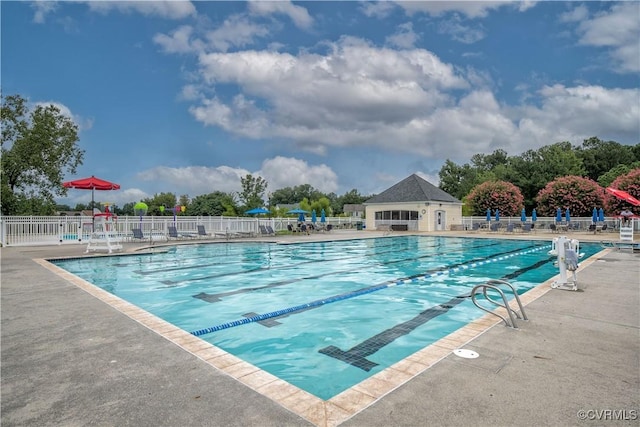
494	284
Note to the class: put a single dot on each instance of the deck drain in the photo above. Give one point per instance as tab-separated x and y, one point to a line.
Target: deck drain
467	354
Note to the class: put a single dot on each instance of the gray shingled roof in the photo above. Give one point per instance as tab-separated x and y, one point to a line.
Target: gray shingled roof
413	189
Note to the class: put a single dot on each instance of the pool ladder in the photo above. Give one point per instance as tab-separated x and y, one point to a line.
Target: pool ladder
494	285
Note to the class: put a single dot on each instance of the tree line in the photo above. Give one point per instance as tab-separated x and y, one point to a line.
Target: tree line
595	159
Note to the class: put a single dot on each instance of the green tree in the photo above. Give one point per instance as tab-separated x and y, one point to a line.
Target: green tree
534	169
599	157
253	189
607	178
322	203
217	203
127	209
38	148
184	200
458	180
168	200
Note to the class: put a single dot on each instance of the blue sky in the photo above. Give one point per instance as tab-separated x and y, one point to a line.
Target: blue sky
188	97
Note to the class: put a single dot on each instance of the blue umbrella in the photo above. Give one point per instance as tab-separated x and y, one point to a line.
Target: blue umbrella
301	217
568	215
322	218
594	215
257	211
534	216
488	215
559	215
601	215
523	215
297	211
313	216
497	214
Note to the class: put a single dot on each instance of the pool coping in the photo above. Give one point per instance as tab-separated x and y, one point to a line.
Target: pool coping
331	412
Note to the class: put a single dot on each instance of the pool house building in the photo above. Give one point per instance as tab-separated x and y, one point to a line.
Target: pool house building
413	204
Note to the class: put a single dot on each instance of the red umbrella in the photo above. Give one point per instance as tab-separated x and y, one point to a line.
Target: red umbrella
623	195
92	183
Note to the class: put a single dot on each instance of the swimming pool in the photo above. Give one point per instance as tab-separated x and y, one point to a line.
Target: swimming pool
322	316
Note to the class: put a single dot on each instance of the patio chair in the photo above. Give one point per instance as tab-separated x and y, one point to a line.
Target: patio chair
202	232
526	228
173	233
509	228
267	230
553	228
137	234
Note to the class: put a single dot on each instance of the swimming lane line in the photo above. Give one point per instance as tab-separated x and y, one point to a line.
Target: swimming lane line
363	291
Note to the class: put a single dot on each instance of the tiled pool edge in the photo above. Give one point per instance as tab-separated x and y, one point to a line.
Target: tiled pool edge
341	407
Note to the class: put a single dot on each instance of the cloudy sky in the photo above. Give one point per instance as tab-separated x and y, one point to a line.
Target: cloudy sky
187	97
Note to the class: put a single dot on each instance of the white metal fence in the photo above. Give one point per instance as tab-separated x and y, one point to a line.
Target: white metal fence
59	230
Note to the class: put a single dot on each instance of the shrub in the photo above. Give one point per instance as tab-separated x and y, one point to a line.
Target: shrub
578	194
496	195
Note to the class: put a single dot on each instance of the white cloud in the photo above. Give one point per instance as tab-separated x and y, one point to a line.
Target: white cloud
471	9
162	8
195	180
236	31
42	9
575	113
358	95
81	122
619	30
459	31
333	99
179	40
404	38
281	172
298	14
378	9
577	14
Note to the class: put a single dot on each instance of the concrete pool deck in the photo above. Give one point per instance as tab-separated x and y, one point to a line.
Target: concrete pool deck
67	358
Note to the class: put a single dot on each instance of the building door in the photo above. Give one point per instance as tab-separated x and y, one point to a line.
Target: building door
441	223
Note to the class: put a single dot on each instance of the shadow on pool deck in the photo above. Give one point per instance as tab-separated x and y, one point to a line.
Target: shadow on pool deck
69	359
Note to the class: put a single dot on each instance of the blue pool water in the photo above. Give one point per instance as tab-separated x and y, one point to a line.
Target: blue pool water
323	315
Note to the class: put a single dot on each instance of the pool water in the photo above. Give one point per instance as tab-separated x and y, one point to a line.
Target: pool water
321	315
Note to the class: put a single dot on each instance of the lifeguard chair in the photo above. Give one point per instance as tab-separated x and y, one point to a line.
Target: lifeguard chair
104	236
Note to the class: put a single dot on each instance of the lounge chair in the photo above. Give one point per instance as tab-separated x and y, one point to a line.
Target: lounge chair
291	229
509	228
137	234
173	233
202	232
267	230
553	228
526	228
